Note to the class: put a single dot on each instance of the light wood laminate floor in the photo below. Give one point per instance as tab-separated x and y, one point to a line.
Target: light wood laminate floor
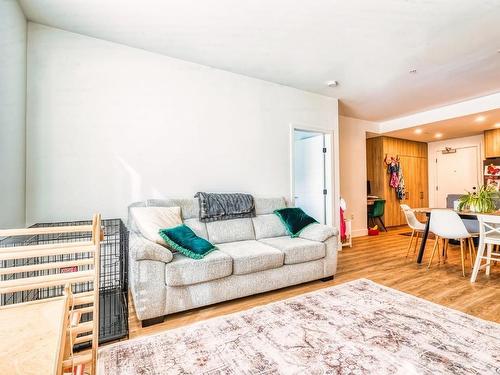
381	259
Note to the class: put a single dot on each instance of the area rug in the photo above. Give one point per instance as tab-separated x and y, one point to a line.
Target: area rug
358	327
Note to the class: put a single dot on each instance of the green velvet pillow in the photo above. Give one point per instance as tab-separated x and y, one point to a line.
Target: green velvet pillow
294	220
185	241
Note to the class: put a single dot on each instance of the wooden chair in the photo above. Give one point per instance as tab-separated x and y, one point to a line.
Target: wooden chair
81	258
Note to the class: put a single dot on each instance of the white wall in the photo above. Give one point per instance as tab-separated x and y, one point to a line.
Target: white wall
12	114
353	169
434	147
108	125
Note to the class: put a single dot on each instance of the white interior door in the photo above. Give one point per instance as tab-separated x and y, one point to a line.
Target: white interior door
309	176
456	172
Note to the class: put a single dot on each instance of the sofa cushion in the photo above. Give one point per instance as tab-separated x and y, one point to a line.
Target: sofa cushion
230	230
252	256
150	220
294	219
267	226
297	250
184	240
186	271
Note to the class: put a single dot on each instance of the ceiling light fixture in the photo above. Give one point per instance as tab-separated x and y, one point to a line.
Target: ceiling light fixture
480	119
418	131
332	83
438	135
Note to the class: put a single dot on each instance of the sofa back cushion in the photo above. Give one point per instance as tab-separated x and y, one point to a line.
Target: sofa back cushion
267	226
230	230
265	206
199	228
190	207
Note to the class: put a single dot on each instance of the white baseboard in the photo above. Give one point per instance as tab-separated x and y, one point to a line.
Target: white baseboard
359	232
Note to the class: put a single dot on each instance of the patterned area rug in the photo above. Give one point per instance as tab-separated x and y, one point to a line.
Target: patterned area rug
355	328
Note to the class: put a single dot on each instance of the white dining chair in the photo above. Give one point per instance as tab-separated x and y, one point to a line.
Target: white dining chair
415	225
447	225
489	237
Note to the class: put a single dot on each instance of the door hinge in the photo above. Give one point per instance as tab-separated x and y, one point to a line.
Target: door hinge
324	150
325	192
437	188
436	160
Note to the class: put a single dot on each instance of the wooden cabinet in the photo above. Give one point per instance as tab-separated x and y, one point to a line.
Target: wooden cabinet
492	143
413	161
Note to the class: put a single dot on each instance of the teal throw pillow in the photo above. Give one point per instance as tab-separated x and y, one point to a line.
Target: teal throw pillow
294	220
185	241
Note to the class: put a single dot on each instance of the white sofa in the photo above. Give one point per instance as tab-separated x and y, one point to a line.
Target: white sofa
254	255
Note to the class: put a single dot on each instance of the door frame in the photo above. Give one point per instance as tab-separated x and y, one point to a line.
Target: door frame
333	184
436	174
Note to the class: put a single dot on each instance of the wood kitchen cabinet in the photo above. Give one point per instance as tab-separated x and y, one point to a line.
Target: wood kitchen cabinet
413	161
492	143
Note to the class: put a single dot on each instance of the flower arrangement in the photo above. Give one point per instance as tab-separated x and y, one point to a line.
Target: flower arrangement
481	200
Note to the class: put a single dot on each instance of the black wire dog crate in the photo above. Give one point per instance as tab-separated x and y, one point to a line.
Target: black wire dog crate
113	288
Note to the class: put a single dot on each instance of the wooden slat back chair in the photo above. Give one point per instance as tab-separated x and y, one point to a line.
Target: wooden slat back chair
489	237
82	259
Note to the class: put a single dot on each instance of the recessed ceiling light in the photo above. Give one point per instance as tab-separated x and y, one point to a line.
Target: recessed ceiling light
418	131
480	119
438	135
332	83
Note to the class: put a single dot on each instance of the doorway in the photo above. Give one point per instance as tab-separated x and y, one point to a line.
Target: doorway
457	170
311	173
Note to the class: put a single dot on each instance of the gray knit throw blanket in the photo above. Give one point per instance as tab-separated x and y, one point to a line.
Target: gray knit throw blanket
225	206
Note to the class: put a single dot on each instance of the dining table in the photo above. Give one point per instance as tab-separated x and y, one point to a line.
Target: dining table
427	211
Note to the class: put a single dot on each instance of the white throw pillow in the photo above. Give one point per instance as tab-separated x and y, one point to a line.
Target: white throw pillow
150	220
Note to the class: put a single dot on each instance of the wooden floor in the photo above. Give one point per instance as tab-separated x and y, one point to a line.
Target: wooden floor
381	259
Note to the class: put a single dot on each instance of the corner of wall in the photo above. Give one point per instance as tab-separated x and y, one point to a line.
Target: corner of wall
13	49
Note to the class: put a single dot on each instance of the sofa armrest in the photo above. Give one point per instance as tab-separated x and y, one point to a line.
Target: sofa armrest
318	232
144	249
147	277
332	246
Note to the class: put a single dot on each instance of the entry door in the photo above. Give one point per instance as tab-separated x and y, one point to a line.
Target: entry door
309	175
456	173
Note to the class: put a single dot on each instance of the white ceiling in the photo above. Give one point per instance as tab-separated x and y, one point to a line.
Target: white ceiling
452	128
368	46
